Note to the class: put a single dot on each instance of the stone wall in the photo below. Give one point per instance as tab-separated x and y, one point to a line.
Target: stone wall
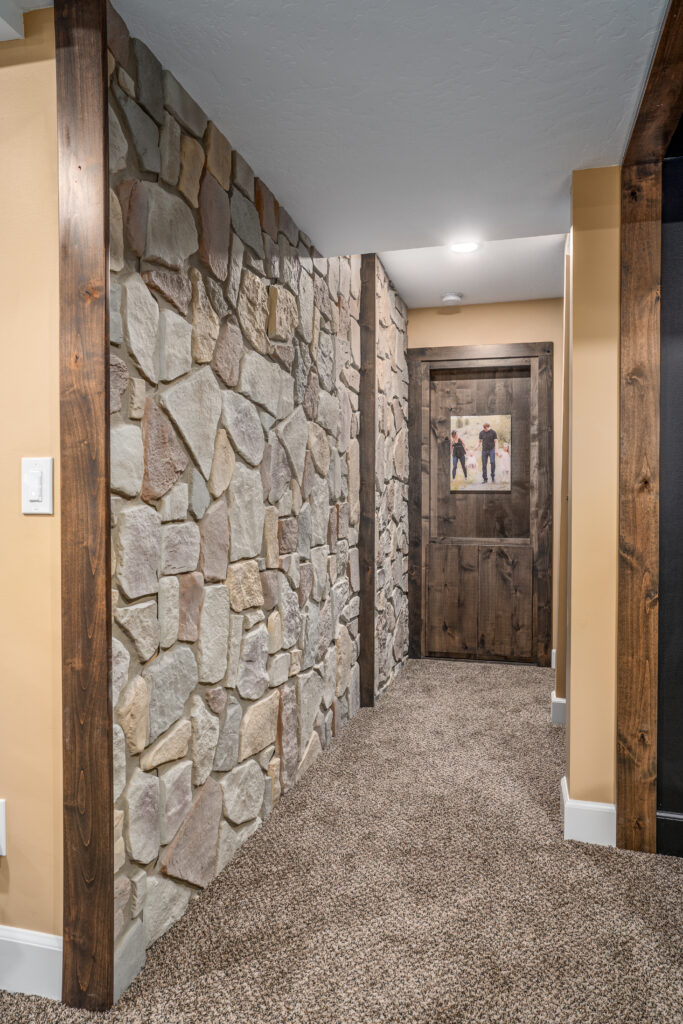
235	355
391	483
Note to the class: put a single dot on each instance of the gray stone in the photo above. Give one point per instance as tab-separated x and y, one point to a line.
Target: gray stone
325	361
171	677
141	326
200	498
288	606
242	174
215	292
118	144
306	307
228	352
150	91
278	668
234	648
320	511
173	745
262	381
309	696
311	753
231	839
215	538
115	233
246	513
245	220
120	663
280	473
129	957
137	543
259	725
328	413
174	505
127	460
289	740
115	320
118	382
169	611
194	405
225	757
143	130
234	269
180	544
283	314
244	427
204	740
175	345
175	797
140	623
165	903
169	147
243	793
182	106
119	745
213	634
141	806
171	231
252	680
192	854
293	433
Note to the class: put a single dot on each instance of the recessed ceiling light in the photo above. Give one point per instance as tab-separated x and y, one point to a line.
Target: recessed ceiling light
464	246
452	298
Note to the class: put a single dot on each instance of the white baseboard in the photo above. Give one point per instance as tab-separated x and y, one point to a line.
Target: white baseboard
558	709
587	821
30	962
553	658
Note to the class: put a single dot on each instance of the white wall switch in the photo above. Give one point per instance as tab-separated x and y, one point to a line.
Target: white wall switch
36	487
3	830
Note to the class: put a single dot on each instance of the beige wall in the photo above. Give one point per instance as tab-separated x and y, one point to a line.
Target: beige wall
594	484
506	323
30	694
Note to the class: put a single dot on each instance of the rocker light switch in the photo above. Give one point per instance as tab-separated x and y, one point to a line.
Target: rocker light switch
36	487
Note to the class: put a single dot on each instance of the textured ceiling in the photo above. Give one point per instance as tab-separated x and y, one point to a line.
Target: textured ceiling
388	124
507	271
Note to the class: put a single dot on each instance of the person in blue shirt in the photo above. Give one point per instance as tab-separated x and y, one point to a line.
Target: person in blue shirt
488	442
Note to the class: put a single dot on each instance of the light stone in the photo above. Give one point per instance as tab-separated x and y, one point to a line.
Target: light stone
241	420
119	758
311	753
243	793
252	679
143	130
283	314
231	839
169	747
245	219
169	146
115	232
169	610
137	396
244	585
225	757
171	233
328	413
212	648
215	538
180	543
174	504
293	434
172	677
200	499
234	648
140	623
185	110
166	902
306	307
319	448
120	663
138	882
205	321
140	314
141	806
175	797
223	465
252	310
309	696
246	513
194	405
345	655
204	740
259	725
118	144
278	668
261	380
274	632
175	345
129	957
127	459
289	740
191	167
288	605
131	713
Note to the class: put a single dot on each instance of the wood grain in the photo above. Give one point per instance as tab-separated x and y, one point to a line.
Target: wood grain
84	451
505	606
637	648
452	600
367	439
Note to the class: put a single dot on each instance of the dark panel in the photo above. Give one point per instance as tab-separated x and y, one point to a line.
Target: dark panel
638	597
414	511
452	600
367	439
541	482
670	689
505	603
84	453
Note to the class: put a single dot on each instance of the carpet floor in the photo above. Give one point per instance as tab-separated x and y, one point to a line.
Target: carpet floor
418	874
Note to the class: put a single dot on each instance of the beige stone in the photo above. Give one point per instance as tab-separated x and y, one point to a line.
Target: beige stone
137	395
205	321
132	712
252	309
274	632
115	232
283	313
218	155
345	651
259	725
311	753
319	448
191	167
244	585
171	746
274	776
270	538
223	464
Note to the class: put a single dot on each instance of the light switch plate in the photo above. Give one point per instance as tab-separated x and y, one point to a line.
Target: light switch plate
3	830
36	487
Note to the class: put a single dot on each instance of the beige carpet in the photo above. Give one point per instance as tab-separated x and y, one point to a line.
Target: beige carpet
418	875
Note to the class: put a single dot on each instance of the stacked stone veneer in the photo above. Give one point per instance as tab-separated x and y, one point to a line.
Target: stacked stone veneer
391	483
234	358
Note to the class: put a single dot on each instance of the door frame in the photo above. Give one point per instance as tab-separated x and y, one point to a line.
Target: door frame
422	362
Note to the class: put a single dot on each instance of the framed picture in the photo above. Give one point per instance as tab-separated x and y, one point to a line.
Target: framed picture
481	453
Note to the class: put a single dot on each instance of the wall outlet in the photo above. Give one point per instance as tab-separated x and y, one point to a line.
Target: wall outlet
3	830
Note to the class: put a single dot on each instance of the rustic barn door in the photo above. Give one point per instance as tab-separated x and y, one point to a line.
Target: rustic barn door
481	549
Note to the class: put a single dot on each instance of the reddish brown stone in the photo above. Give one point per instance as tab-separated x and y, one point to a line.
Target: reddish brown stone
165	458
215	536
228	352
133	199
305	582
217	698
190	597
118	382
284	355
218	155
214	226
192	854
267	207
269	586
288	535
118	37
174	287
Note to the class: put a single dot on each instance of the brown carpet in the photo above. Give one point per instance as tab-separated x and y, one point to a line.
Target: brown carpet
418	875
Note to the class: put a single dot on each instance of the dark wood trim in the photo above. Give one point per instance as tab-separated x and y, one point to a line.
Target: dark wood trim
368	445
423	363
658	116
638	620
88	958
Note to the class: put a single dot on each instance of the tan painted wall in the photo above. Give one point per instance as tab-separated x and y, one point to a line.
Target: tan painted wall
594	484
30	666
506	323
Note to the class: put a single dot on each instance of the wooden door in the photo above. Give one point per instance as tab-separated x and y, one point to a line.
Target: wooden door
480	565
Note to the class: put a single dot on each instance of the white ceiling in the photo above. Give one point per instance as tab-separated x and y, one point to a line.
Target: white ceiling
506	271
387	124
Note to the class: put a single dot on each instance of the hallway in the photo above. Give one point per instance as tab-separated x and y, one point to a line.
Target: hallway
418	874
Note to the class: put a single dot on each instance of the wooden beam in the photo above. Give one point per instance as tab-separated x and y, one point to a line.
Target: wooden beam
661	107
80	33
637	646
368	444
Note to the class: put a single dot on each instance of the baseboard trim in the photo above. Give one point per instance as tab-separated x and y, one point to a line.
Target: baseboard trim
558	709
30	962
588	821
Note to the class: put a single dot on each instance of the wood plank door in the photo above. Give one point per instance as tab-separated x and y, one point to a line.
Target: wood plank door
480	560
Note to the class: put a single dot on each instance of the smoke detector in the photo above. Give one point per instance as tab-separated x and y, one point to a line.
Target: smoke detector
452	298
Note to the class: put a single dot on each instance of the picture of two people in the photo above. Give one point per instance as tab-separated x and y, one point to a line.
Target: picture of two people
480	453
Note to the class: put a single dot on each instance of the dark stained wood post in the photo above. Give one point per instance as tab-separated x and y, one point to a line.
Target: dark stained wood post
638	619
368	444
88	967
